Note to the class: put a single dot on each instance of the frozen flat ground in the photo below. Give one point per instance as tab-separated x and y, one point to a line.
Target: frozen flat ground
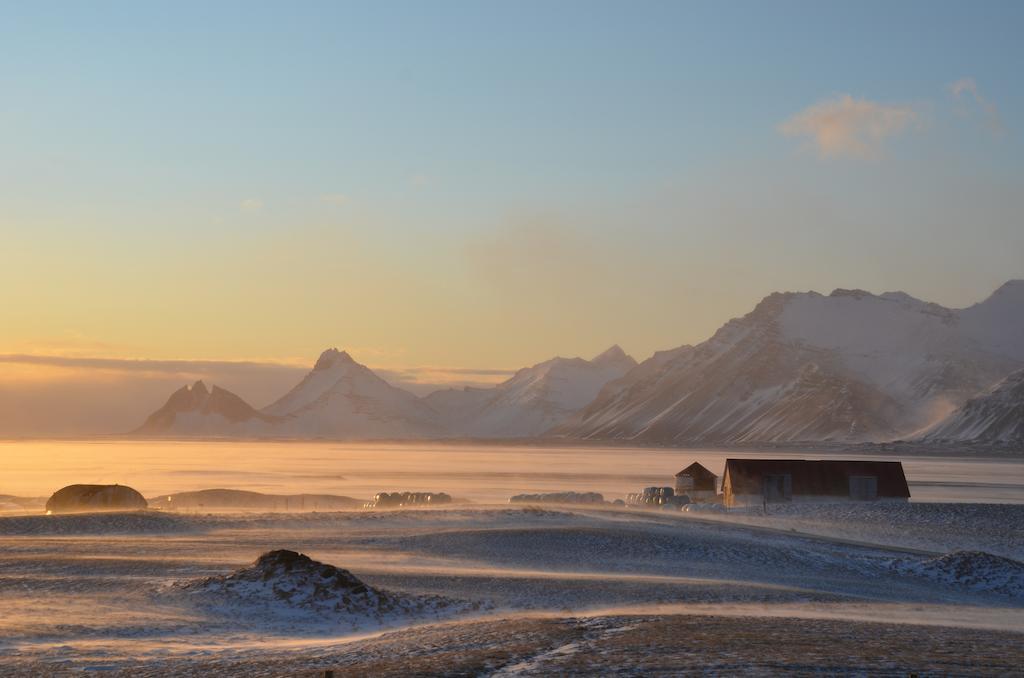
492	589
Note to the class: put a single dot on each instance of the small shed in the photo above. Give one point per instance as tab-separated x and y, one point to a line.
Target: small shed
697	482
753	482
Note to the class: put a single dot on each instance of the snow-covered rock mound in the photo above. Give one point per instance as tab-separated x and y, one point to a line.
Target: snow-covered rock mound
290	588
973	570
994	417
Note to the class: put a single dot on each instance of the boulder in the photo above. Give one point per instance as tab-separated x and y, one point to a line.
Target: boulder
95	498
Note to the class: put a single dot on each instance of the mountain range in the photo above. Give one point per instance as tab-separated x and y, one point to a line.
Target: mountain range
850	366
340	398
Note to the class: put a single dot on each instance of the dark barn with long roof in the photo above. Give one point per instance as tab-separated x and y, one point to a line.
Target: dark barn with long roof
748	482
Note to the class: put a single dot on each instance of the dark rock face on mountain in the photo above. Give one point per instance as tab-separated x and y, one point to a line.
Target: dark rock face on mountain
197	411
75	498
993	417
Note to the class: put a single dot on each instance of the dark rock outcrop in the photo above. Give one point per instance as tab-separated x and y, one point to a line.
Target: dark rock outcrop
74	498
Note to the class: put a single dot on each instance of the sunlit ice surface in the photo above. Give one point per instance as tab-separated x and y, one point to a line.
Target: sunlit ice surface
479	473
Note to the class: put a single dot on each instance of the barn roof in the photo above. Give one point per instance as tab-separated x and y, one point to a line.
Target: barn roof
696	471
816	477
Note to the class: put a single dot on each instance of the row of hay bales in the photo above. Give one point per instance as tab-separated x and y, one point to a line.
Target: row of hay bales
559	498
657	496
403	499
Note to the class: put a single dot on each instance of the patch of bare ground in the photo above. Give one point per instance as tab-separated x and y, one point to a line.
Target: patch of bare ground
624	646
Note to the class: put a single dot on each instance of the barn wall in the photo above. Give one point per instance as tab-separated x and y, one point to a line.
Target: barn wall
747	500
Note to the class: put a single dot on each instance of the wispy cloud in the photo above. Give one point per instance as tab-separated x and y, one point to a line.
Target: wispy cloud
145	366
251	205
844	126
966	95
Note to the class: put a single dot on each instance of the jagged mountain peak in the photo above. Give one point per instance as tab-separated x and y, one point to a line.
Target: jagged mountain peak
855	293
197	410
613	355
332	357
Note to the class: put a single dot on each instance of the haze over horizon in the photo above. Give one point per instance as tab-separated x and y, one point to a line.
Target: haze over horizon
245	183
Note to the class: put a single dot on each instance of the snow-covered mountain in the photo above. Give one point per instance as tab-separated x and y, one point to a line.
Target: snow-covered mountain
849	366
996	416
340	398
533	400
197	411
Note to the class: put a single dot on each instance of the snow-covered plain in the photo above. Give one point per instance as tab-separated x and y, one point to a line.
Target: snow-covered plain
487	588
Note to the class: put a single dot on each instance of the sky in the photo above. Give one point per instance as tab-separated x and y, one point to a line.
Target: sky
452	190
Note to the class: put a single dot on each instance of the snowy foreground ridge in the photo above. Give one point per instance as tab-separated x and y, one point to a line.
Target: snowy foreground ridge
850	366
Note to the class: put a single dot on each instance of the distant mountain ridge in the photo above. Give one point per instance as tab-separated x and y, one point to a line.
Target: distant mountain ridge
342	399
850	366
533	400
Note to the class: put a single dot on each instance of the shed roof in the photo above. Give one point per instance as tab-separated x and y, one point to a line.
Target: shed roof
816	477
696	471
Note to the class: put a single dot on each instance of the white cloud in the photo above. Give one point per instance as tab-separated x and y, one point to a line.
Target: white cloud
844	126
965	91
251	205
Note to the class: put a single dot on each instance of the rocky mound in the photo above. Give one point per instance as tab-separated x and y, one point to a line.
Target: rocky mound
974	570
288	587
75	498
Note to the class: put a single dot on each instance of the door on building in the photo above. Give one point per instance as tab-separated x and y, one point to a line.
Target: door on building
778	487
863	488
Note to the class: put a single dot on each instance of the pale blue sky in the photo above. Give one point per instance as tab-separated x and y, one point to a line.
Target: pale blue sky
486	184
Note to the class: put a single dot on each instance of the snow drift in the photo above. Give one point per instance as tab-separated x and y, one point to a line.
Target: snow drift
973	570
